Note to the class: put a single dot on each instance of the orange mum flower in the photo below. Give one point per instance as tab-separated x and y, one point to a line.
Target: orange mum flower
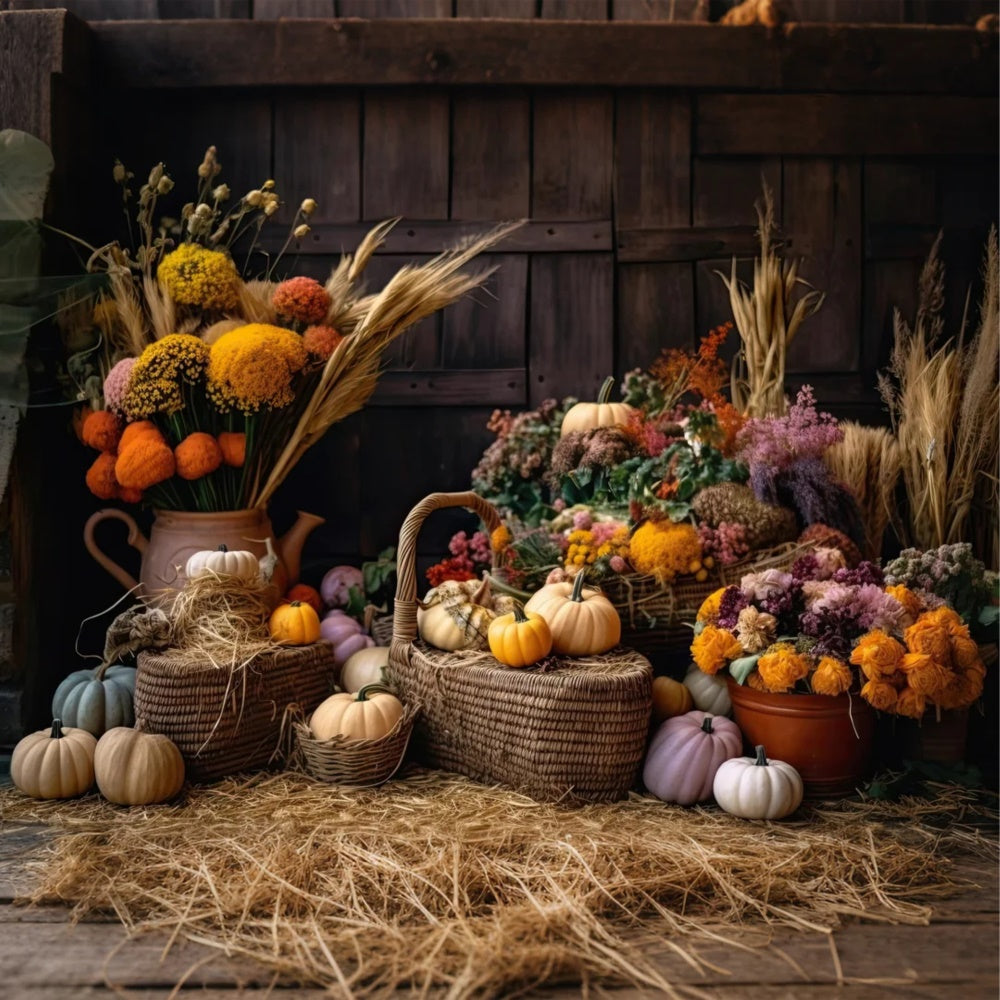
831	677
233	445
946	618
321	340
197	455
912	604
877	653
303	299
136	429
925	636
910	704
100	477
146	461
780	667
102	430
880	695
714	648
925	675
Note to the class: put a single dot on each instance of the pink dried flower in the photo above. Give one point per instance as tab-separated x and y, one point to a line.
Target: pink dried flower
618	564
302	299
116	383
558	505
321	340
761	586
582	520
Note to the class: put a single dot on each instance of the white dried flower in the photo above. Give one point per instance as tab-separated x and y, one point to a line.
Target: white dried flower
268	185
165	185
308	207
254	198
155	174
221	193
301	231
209	166
118	173
755	629
187	210
203	211
270	208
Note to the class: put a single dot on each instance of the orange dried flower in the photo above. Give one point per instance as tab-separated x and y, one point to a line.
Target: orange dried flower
912	604
100	477
709	610
946	618
703	373
925	674
756	682
878	654
233	445
129	495
301	298
910	704
780	667
137	429
253	366
197	455
146	461
831	677
500	539
102	430
925	636
714	648
880	695
321	340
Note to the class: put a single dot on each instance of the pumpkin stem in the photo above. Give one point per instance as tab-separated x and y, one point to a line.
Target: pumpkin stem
483	596
605	394
57	732
706	725
519	615
295	604
362	694
102	670
761	760
577	594
222	548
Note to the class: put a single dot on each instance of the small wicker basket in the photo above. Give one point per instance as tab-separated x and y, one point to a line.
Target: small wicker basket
575	731
357	763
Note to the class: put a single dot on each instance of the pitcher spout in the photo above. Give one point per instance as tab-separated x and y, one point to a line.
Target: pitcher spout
291	542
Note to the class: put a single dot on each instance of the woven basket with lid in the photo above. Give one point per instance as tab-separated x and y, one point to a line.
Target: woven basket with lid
575	731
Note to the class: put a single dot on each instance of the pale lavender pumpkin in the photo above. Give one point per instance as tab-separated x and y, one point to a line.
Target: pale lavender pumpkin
346	634
685	753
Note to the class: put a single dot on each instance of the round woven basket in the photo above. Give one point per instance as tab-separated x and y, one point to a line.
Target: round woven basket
358	763
225	721
576	729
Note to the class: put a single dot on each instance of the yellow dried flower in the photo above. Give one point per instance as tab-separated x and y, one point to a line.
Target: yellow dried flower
664	549
253	367
308	206
500	539
196	276
156	379
709	610
780	667
880	695
878	654
713	648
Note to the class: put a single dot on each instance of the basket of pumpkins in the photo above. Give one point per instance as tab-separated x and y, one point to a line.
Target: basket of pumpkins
539	696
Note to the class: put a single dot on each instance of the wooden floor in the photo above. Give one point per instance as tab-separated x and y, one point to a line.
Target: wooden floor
43	956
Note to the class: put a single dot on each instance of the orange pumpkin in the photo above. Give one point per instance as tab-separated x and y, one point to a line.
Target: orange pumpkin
307	595
294	624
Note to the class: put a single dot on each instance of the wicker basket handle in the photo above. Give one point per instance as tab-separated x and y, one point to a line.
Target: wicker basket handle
404	628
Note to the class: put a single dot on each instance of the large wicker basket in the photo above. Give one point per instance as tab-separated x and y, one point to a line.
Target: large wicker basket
225	721
577	730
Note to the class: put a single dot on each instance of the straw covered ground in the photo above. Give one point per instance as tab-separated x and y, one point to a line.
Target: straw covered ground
435	881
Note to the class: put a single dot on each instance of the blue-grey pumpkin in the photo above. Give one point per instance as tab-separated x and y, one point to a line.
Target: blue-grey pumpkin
96	700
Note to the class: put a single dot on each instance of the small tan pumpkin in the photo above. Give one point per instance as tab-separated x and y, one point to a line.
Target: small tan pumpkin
136	768
222	562
582	622
519	639
458	614
368	715
364	667
670	698
54	763
587	416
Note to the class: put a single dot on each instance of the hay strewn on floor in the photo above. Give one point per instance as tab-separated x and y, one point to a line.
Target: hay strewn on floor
436	881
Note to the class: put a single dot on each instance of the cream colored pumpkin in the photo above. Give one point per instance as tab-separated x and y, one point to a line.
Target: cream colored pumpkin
364	667
586	416
368	715
709	691
136	768
458	614
222	562
583	622
54	763
758	788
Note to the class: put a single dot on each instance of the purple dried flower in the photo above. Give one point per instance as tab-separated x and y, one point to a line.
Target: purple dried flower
732	603
805	568
769	583
864	573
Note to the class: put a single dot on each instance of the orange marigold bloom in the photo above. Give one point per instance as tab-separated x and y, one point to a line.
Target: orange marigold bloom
880	695
253	366
831	677
877	653
303	299
709	610
197	455
912	604
102	430
233	445
780	667
321	340
925	636
147	460
925	675
910	704
100	477
946	618
136	429
714	648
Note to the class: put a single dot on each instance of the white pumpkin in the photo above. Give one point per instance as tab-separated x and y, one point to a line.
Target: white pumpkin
240	563
708	691
458	614
758	788
364	667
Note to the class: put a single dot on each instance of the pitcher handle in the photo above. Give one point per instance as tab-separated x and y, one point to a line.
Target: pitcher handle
136	539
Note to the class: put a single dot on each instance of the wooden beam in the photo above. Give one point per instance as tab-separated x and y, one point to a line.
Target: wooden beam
469	387
845	125
680	244
449	51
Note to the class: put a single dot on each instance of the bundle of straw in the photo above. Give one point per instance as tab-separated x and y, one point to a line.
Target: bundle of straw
943	397
768	317
867	461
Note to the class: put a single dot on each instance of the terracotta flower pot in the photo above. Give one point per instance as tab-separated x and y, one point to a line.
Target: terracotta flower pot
829	741
938	737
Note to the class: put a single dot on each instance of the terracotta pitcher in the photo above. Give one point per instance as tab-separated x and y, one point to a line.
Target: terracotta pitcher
176	535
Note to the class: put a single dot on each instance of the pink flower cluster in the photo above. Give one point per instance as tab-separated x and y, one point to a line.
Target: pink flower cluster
470	554
727	542
116	382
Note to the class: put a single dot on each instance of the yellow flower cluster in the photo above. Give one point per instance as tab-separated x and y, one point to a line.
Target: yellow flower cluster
581	550
616	545
155	382
253	367
196	276
713	648
500	539
781	666
664	549
709	610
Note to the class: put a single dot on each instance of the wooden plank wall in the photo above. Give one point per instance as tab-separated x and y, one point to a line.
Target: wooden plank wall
635	197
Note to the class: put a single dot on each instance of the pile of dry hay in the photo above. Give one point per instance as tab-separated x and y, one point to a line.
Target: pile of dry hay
437	881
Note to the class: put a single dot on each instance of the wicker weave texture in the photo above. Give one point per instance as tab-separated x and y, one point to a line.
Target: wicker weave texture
358	763
225	721
578	730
